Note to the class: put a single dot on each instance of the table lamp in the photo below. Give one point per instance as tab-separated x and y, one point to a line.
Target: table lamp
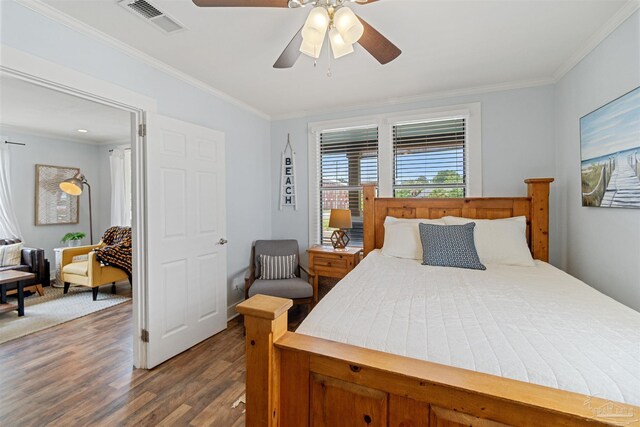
340	219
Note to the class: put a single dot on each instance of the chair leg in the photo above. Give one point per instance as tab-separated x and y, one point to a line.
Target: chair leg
113	287
40	290
95	292
66	287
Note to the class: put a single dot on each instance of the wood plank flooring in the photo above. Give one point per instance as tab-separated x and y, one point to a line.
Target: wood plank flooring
81	374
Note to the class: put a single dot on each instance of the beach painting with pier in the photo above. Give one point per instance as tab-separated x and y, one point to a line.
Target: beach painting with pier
610	151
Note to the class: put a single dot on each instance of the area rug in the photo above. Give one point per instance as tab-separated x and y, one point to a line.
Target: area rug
54	308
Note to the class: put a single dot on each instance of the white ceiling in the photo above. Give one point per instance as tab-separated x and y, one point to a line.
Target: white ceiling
447	45
35	109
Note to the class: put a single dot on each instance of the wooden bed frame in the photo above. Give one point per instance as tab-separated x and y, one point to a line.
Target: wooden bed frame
297	380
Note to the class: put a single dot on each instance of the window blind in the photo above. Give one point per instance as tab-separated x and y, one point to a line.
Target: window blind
429	158
348	159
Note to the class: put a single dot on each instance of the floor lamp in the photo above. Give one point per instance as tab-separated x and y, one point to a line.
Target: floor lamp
74	187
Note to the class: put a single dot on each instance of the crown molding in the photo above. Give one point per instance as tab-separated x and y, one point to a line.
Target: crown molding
474	90
79	26
609	27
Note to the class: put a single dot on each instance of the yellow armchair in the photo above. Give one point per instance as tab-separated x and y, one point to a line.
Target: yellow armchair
88	272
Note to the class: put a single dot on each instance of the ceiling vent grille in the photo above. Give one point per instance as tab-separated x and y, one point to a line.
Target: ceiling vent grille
145	9
151	14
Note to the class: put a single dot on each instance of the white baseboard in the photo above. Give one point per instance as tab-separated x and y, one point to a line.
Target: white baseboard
231	311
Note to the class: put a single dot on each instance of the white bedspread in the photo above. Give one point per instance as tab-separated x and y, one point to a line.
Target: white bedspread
534	324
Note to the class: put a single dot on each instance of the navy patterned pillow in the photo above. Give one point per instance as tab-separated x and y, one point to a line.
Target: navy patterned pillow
449	246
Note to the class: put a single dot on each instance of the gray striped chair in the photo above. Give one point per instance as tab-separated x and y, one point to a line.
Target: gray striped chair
297	289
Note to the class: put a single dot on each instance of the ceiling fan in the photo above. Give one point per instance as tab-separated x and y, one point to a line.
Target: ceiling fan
334	17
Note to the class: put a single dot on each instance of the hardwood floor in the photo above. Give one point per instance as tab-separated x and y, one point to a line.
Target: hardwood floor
81	373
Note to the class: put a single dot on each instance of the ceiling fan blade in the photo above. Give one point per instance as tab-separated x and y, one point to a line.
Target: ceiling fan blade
241	3
291	52
365	1
377	44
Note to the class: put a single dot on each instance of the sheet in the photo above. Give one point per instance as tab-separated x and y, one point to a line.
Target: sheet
534	324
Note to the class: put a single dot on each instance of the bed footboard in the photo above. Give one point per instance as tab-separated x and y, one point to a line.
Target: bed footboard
296	380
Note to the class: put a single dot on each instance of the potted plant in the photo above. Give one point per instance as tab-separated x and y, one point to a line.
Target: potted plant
73	239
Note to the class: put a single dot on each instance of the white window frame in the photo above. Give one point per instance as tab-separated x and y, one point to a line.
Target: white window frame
471	112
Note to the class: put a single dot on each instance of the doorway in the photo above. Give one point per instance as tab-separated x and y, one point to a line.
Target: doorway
45	74
67	195
178	200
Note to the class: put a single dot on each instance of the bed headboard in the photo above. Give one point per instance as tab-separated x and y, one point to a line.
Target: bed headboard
535	207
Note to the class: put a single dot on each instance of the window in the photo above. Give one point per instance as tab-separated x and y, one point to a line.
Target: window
348	159
429	159
428	153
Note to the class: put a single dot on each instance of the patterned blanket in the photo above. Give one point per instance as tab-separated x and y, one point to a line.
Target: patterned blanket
117	250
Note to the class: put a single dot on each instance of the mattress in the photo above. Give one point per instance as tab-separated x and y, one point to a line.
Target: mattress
534	324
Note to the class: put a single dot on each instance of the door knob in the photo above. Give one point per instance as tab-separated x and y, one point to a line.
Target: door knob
223	241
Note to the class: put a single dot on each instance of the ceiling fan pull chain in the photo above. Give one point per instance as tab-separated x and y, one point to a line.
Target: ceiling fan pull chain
315	57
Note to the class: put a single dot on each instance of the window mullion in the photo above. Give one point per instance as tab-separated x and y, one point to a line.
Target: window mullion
385	159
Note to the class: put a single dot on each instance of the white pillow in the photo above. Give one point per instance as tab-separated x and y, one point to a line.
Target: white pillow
402	237
499	241
10	254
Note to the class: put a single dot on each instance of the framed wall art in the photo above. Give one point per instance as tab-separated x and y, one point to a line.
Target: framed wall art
610	153
54	206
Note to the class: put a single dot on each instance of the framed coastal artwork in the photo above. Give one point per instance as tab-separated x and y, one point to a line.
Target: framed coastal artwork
54	206
610	154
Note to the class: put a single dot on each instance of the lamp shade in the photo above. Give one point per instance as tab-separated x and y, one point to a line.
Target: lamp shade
338	45
311	49
348	24
73	185
316	25
340	218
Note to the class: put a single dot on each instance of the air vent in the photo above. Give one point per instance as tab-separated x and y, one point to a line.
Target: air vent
145	9
151	14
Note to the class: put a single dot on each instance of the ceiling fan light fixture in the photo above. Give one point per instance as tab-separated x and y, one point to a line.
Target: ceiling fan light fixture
315	28
339	47
324	16
311	49
348	24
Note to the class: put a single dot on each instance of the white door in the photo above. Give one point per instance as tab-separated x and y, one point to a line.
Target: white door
186	252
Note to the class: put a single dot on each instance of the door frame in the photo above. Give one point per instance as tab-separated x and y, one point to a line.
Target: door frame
18	64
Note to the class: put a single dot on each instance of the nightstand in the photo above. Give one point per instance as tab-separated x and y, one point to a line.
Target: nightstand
329	262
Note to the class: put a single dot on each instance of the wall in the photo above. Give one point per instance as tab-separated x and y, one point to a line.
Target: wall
51	151
517	143
247	134
599	245
520	131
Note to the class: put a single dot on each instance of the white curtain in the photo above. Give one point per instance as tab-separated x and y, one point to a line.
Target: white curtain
9	227
120	161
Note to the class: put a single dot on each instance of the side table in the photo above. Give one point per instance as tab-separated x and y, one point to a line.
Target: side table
326	261
9	277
